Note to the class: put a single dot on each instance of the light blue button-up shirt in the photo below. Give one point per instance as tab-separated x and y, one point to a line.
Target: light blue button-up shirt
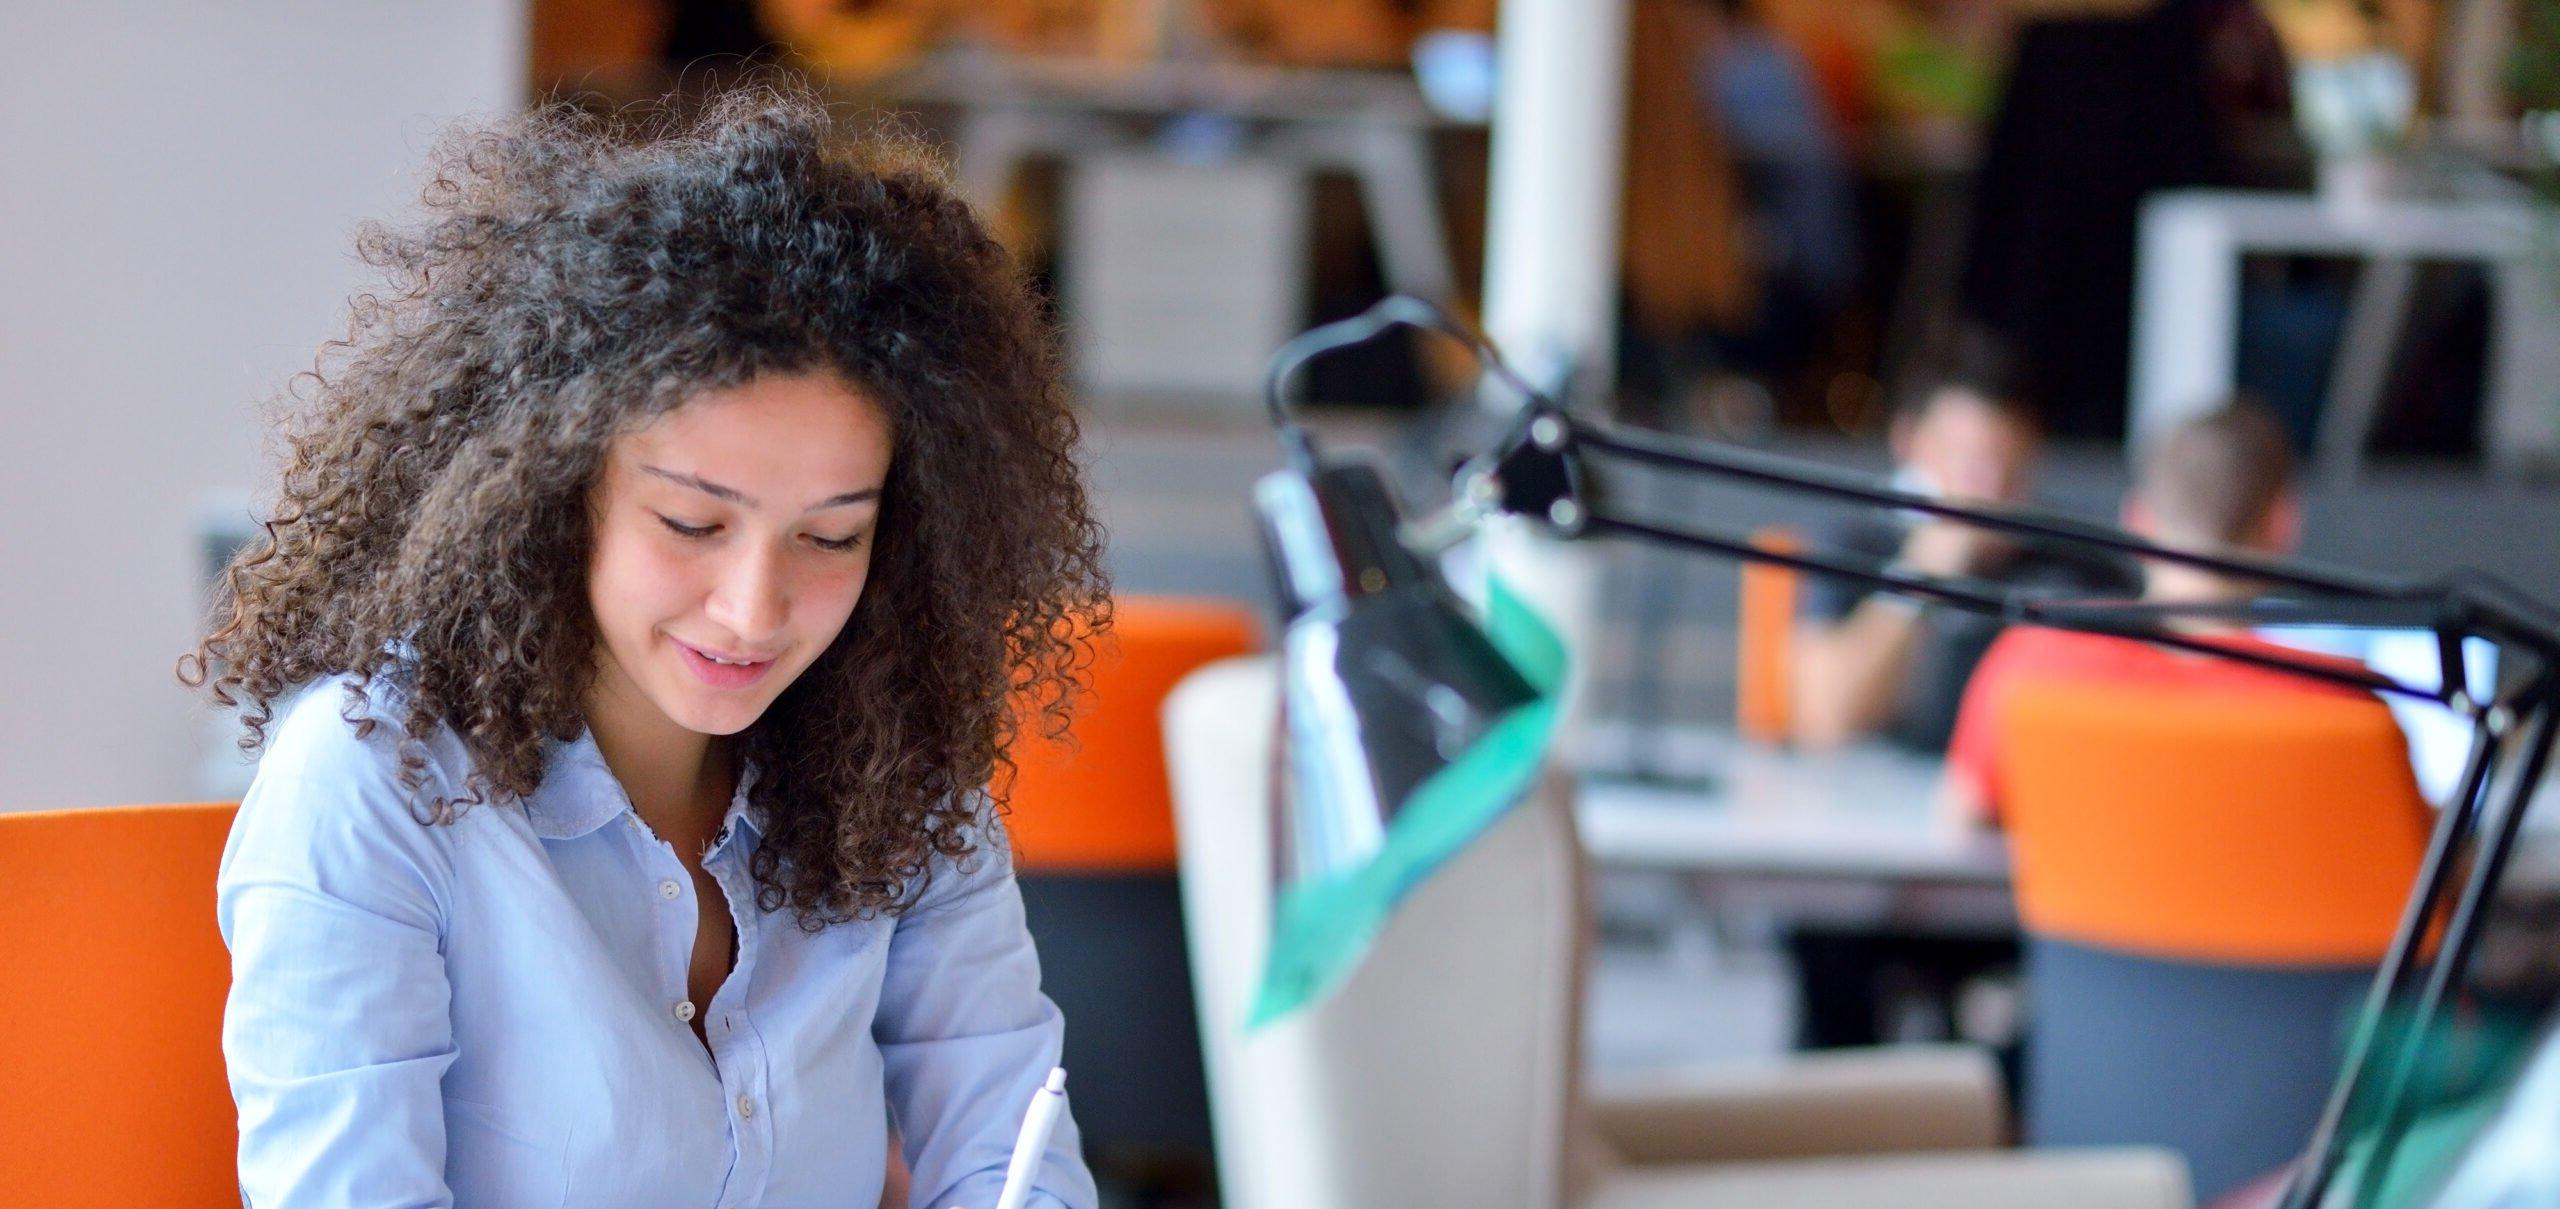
493	1013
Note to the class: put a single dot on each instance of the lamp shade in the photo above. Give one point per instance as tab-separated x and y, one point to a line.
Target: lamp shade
1410	724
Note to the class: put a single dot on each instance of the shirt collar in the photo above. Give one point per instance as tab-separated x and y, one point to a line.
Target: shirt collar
739	815
579	793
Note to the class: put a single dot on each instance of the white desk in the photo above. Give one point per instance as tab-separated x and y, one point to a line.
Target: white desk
1862	814
2187	307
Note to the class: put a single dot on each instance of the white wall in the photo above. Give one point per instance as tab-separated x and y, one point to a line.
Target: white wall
178	184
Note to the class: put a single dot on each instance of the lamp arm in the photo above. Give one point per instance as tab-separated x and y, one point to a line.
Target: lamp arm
1395	310
2393	1104
2114	618
1787	475
1540	472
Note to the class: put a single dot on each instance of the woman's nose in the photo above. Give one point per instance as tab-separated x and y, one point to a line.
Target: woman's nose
750	600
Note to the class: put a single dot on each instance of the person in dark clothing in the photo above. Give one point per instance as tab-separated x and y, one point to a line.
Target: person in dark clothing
1868	664
1873	665
2098	114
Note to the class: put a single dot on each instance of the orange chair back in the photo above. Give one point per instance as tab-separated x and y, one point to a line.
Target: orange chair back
2249	828
114	1092
1767	621
1101	802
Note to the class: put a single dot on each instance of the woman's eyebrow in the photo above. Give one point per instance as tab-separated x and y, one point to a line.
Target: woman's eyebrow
851	497
705	486
740	498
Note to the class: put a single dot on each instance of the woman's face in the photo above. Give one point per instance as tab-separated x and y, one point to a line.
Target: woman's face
732	538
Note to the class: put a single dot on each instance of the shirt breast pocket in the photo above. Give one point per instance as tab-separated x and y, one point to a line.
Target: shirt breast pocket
505	1159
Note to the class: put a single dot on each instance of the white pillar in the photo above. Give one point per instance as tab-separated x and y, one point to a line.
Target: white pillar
1551	222
1551	268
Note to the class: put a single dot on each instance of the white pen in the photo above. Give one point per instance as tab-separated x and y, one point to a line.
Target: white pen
1034	1139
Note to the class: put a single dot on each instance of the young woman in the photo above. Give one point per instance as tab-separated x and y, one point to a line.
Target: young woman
658	571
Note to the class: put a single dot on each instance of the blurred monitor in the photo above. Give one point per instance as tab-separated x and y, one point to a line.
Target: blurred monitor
2439	738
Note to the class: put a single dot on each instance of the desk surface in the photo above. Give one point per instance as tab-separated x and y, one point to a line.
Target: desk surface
1864	812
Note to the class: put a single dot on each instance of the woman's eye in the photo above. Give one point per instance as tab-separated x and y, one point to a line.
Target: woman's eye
684	530
839	545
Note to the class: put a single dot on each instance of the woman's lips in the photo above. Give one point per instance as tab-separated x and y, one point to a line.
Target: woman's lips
721	675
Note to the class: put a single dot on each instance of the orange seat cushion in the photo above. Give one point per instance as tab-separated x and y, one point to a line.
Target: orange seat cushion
115	1093
1102	801
2252	828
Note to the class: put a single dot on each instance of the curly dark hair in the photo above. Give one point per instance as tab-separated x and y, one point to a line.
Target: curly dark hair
576	276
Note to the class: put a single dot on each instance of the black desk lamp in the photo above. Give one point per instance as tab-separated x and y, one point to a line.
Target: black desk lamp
1388	679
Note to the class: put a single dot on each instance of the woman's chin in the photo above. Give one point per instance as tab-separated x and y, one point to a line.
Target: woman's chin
711	715
721	720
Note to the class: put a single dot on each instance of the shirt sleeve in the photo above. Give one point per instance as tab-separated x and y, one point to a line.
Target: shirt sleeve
337	1031
1826	600
966	1037
1973	752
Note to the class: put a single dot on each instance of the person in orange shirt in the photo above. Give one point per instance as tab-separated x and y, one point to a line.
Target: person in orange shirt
2221	483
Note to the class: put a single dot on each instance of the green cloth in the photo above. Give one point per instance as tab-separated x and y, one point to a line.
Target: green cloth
1322	928
2473	1061
2426	1153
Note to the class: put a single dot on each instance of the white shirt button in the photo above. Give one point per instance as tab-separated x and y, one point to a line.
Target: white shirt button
684	1010
667	889
746	1107
636	824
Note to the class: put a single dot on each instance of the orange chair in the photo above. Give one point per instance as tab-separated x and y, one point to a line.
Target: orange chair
1101	802
2230	828
2207	882
115	1093
1763	668
1092	829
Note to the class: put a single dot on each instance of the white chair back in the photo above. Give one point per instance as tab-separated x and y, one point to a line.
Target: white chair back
1441	1071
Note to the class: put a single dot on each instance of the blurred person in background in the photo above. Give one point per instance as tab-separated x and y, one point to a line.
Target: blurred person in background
1872	664
660	568
1739	246
1796	180
2101	110
2221	483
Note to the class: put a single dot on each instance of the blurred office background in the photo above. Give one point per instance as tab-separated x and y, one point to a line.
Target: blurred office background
1814	200
1818	195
